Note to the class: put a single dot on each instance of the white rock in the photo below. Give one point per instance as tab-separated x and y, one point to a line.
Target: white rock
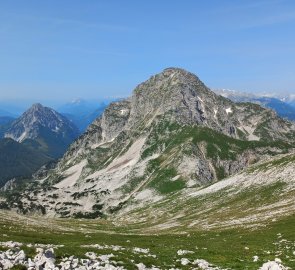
141	266
184	261
255	258
184	252
272	265
202	264
7	264
141	250
91	255
21	255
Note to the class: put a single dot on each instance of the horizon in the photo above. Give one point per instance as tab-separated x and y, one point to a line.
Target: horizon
54	52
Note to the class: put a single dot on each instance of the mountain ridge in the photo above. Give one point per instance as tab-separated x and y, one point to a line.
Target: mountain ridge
282	105
172	134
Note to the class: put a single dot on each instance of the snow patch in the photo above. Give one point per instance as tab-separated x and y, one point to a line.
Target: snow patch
124	111
228	110
215	113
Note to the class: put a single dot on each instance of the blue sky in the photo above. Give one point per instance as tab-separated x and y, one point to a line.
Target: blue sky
59	50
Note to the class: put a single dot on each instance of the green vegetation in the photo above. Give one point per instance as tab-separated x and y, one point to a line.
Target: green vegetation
217	144
18	160
232	248
174	141
163	183
280	162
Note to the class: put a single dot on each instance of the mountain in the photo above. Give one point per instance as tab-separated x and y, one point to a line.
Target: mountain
171	136
18	160
43	129
283	106
6	113
290	99
261	193
4	120
13	108
81	112
5	123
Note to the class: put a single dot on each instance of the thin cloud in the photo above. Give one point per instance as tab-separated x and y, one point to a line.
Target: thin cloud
246	6
71	22
100	26
93	51
271	20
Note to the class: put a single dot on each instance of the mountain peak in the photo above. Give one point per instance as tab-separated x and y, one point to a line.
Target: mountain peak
180	72
39	122
78	101
37	106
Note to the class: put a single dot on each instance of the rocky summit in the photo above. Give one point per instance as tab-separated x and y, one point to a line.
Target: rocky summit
172	135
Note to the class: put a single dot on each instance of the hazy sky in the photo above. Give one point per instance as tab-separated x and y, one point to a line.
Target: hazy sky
56	49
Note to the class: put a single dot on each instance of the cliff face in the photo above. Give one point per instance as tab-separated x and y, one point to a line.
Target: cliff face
172	134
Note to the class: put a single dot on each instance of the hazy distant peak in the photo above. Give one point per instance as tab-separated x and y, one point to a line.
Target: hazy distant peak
78	101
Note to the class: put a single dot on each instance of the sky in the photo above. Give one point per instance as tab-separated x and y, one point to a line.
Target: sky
56	50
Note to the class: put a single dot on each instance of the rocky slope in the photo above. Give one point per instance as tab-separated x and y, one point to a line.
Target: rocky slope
44	129
262	193
172	134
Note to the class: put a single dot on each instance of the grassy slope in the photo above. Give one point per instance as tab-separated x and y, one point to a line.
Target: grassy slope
233	248
249	201
178	141
18	160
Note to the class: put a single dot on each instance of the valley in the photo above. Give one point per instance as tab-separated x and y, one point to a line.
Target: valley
174	177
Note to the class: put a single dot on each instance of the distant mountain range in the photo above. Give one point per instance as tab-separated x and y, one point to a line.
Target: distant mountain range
4	113
5	123
283	105
81	112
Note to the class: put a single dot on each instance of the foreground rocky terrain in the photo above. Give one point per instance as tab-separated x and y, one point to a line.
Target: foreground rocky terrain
45	259
74	244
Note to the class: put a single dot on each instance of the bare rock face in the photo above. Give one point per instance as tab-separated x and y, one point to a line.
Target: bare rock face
171	134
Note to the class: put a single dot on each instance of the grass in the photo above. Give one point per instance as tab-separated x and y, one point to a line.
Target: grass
218	145
279	162
232	248
163	183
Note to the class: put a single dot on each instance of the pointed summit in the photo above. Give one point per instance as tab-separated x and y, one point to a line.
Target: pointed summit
37	106
44	125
